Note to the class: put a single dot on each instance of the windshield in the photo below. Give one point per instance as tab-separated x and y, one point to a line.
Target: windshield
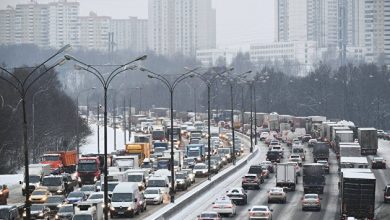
110	186
86	167
122	197
163	164
135	178
55	200
96	196
4	214
82	217
75	194
223	151
192	153
311	196
147	165
180	176
67	208
87	188
259	209
298	150
276	190
56	181
159	149
158	135
50	158
33	179
208	215
201	166
36	207
156	183
151	191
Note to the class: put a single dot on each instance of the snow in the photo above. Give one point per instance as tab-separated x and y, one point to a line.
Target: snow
346	123
91	143
11	179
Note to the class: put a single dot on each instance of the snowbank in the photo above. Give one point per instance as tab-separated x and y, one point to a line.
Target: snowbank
11	179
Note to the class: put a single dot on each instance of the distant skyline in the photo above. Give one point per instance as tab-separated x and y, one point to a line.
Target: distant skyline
239	22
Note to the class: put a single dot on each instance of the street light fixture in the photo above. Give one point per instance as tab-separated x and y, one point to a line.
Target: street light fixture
231	80
171	87
22	86
105	82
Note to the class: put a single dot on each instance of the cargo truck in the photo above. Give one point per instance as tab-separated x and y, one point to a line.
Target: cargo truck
36	174
320	151
348	149
142	150
340	137
313	178
286	176
126	162
353	162
61	161
357	192
88	170
368	140
195	151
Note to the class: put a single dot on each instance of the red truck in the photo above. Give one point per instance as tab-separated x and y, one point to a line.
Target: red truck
61	161
88	170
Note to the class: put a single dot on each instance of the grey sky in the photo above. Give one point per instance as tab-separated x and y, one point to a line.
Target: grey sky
239	22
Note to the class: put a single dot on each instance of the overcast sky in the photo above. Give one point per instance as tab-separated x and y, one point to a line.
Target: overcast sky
239	22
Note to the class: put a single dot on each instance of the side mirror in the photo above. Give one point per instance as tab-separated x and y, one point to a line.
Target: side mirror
167	185
271	210
20	182
213	203
320	198
135	200
249	209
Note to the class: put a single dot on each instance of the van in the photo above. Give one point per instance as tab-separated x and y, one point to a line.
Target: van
159	182
9	212
125	199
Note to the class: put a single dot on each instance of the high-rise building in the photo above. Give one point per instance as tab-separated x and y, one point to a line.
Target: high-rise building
64	23
377	30
7	24
181	26
129	33
94	31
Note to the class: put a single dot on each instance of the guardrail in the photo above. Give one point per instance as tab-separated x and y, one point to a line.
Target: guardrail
167	211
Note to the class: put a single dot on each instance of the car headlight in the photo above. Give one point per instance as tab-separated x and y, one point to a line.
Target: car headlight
130	208
204	171
59	206
95	179
156	198
198	158
228	156
59	191
41	214
78	179
57	217
139	184
112	208
214	167
224	159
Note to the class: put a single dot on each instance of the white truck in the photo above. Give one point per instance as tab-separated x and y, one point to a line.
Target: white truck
349	149
286	176
178	156
88	210
368	139
36	173
353	162
126	162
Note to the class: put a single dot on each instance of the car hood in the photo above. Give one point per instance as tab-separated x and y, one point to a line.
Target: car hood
121	204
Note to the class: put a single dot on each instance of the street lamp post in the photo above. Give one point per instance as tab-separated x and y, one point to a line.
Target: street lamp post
22	86
231	80
33	118
171	87
105	82
208	84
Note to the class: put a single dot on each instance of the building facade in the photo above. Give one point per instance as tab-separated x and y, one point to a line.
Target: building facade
181	26
215	57
129	33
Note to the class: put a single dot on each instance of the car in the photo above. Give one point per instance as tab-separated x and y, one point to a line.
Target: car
380	133
182	181
153	196
306	138
378	163
10	212
277	194
200	169
237	195
279	149
264	135
311	201
258	170
224	206
312	142
260	212
297	167
38	211
69	182
88	189
190	174
295	158
269	166
264	172
218	159
54	203
75	197
214	166
65	212
273	156
189	163
209	216
96	197
250	181
326	165
39	195
386	194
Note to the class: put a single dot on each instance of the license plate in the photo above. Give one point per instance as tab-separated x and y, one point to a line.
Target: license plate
121	213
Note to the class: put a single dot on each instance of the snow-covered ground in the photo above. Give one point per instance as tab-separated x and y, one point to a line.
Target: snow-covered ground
11	179
91	144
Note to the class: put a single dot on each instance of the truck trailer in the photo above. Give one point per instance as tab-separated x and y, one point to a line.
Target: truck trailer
368	140
313	178
286	176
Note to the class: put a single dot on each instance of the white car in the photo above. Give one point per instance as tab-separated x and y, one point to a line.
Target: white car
200	169
295	158
277	194
264	135
311	201
260	212
224	206
153	196
96	197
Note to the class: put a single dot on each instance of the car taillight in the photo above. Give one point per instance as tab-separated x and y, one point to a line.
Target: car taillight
266	214
215	206
229	206
251	214
318	201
